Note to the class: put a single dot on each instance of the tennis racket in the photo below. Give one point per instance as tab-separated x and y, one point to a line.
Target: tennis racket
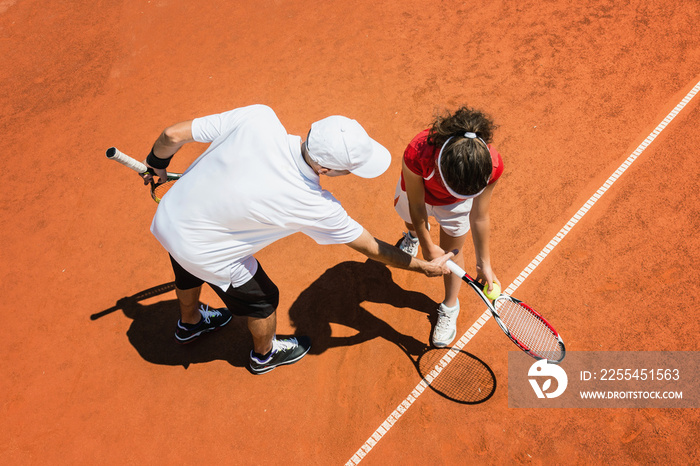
522	324
158	190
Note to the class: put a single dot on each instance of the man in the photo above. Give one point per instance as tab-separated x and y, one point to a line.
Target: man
253	185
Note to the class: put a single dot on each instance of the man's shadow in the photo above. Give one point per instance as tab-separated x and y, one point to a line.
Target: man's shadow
337	297
152	333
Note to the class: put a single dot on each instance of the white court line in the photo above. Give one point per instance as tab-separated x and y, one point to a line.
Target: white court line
428	379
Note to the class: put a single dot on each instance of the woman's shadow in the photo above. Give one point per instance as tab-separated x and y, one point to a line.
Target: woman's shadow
336	297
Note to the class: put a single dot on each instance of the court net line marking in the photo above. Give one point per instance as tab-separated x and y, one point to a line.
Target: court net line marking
383	429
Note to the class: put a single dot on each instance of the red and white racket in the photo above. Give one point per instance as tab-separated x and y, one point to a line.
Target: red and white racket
522	324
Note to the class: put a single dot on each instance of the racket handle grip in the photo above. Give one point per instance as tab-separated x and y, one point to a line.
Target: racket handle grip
115	154
455	269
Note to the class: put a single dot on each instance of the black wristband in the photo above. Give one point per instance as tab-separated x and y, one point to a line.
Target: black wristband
157	162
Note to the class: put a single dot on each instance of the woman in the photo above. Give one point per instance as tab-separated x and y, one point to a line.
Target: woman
449	173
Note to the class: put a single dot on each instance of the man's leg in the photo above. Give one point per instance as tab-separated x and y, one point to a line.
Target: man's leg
263	331
258	299
189	305
194	321
269	351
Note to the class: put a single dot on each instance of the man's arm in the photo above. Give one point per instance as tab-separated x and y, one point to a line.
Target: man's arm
393	256
169	142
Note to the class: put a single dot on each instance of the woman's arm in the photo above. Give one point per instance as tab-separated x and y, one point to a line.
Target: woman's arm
415	192
480	224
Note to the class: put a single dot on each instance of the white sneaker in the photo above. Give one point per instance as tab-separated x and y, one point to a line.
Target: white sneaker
446	327
409	244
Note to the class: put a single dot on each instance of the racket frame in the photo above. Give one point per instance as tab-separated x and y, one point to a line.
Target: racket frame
115	154
456	269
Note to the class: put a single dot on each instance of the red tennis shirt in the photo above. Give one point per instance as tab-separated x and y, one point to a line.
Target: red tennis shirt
420	157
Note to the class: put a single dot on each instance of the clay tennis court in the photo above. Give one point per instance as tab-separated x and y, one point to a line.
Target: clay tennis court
90	376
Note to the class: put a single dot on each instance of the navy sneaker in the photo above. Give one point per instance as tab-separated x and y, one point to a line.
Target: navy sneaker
212	319
287	351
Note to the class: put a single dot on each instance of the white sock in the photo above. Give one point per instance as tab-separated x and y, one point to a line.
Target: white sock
451	309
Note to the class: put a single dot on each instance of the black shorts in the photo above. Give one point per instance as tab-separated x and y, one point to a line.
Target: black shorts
258	297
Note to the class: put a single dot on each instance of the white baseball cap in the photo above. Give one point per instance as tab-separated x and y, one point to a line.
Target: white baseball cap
339	143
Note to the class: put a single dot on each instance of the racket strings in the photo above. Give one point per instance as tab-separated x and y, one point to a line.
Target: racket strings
159	190
530	330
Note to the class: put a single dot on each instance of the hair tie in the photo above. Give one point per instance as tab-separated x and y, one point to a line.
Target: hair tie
470	135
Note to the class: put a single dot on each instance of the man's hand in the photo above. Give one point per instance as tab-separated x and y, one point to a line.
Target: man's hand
161	173
437	267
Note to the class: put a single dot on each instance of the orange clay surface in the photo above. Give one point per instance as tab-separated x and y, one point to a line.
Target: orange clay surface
574	87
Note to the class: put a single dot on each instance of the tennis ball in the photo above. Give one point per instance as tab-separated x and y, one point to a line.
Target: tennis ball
495	293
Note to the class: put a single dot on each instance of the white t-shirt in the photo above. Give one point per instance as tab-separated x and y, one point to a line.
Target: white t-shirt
250	188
